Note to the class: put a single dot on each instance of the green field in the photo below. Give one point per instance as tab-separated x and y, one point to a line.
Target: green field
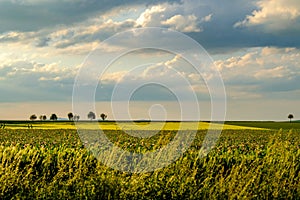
112	125
252	160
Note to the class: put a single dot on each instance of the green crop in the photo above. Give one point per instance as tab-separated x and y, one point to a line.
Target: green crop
245	164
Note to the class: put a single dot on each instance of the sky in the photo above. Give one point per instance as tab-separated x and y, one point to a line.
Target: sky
254	45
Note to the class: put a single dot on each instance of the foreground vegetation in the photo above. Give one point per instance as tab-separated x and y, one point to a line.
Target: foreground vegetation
53	164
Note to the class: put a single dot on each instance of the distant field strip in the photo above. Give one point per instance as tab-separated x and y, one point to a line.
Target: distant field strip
131	126
172	126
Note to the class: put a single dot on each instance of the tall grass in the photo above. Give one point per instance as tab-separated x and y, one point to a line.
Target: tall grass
242	166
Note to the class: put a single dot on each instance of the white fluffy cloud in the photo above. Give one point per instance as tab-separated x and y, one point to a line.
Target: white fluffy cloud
20	73
274	15
261	70
175	73
183	23
167	15
258	58
276	72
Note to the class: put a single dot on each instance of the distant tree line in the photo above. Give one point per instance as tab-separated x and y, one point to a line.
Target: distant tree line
91	115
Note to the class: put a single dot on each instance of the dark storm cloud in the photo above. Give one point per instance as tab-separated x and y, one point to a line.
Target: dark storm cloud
31	15
221	34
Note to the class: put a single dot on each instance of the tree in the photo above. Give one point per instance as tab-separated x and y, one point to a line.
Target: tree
43	117
70	116
76	117
33	117
103	116
291	116
91	115
53	117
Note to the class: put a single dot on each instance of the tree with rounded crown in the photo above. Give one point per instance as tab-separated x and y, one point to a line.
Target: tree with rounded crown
33	117
76	117
70	116
291	116
43	117
103	116
91	115
53	117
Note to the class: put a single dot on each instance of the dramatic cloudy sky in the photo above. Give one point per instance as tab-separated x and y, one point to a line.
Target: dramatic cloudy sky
254	44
